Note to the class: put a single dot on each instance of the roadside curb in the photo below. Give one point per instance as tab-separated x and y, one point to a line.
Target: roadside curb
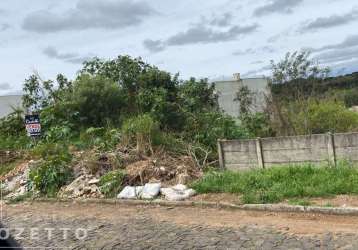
351	211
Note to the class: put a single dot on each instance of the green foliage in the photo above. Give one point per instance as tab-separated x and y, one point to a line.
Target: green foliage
257	124
324	116
111	183
197	96
101	138
39	94
141	130
57	133
53	172
206	128
144	88
296	66
96	100
13	124
351	97
278	183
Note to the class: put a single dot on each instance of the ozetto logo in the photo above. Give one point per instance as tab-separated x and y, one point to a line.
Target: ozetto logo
35	233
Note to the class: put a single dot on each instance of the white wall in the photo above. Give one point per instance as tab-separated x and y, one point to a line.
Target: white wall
6	102
228	89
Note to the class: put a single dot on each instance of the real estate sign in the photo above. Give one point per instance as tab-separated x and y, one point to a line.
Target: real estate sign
33	125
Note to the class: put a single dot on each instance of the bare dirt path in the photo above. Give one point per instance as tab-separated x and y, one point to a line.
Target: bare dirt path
104	226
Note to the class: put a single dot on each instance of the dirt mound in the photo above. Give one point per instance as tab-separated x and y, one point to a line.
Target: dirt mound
164	168
84	186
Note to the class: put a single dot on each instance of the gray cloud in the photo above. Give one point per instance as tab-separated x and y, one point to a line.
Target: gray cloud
89	14
223	20
200	34
154	45
4	26
331	21
350	41
340	55
257	62
252	51
277	6
53	53
208	30
5	86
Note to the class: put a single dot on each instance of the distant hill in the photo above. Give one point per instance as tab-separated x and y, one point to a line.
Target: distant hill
343	87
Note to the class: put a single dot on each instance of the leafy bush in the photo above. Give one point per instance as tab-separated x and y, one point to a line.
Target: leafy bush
101	138
351	98
96	100
53	172
13	124
324	116
141	130
111	183
206	128
257	124
279	183
58	133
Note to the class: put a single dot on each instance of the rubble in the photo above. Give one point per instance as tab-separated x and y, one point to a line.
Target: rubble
15	183
163	168
177	193
82	187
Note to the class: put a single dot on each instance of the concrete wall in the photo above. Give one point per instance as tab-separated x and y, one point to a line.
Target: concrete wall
227	90
6	102
239	155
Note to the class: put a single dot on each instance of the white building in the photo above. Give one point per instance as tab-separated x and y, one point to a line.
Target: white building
7	103
227	90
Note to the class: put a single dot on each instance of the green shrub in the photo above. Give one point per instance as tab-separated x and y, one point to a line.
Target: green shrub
111	183
13	124
15	142
97	101
257	124
54	171
324	116
58	133
101	138
351	97
206	128
141	130
279	183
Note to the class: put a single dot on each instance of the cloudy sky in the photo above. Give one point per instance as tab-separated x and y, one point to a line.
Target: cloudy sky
201	38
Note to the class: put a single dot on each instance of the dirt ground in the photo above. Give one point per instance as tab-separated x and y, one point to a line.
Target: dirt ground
337	201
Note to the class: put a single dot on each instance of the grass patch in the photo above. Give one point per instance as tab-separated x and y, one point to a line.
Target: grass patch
300	202
276	184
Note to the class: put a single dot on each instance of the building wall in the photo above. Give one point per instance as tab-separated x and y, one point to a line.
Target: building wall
6	102
228	89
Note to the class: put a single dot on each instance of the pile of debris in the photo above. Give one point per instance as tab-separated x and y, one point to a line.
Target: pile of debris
85	186
163	168
16	182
